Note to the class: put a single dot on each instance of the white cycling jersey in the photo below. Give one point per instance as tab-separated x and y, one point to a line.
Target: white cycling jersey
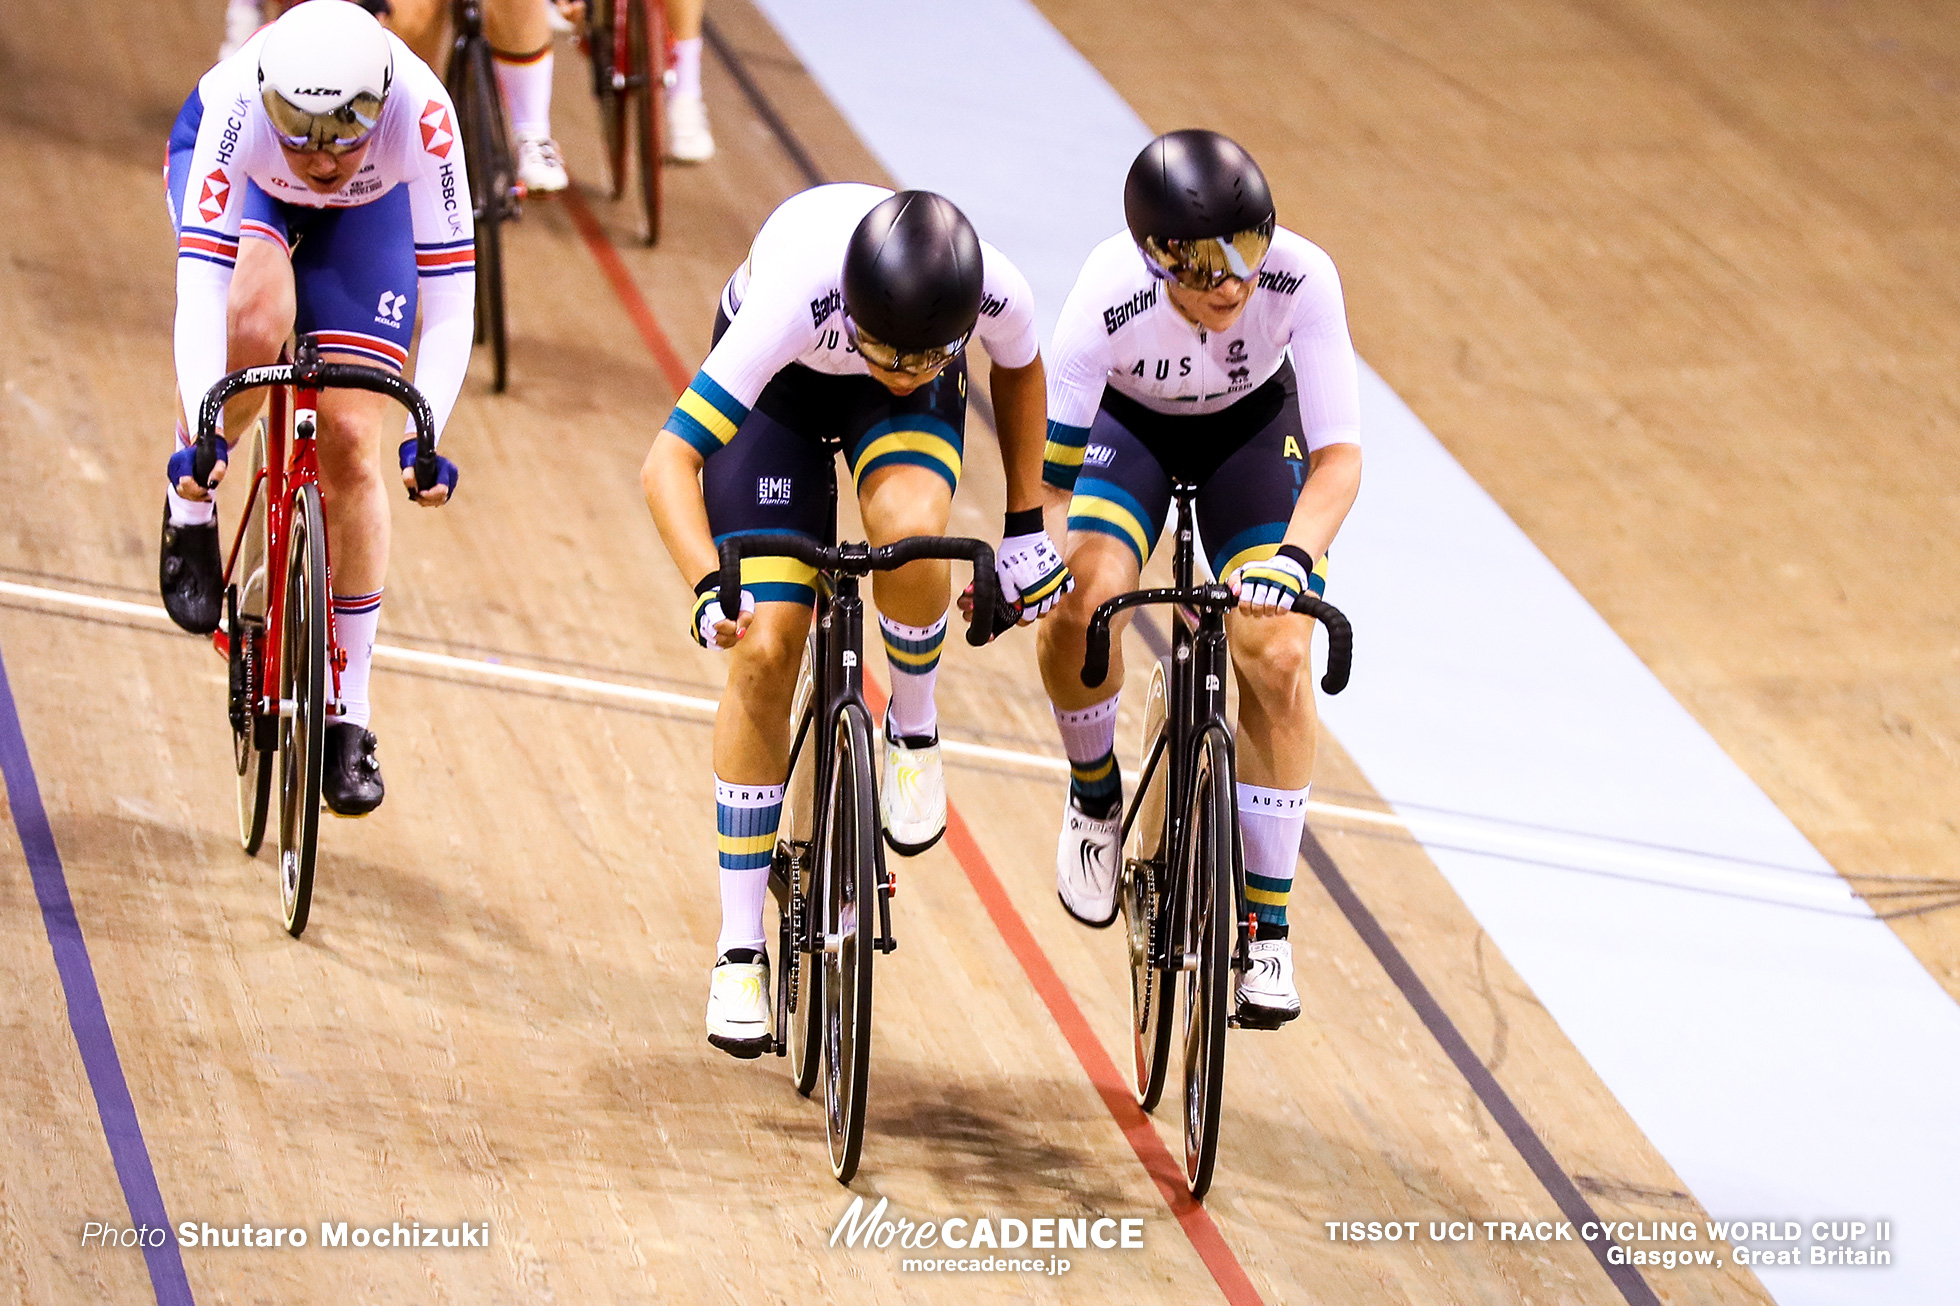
415	144
791	298
1118	328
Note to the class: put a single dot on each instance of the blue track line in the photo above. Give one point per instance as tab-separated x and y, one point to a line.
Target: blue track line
85	1014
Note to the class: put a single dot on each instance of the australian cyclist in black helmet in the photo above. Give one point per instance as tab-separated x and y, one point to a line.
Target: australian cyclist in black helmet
1210	345
849	319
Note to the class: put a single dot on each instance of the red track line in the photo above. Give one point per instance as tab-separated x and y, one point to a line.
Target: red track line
1138	1132
1095	1060
678	374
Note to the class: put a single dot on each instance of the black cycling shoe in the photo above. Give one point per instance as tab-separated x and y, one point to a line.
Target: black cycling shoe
350	774
191	574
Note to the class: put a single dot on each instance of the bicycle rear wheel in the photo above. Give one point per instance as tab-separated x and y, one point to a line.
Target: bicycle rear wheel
303	685
252	736
646	31
1145	905
1206	990
492	174
847	883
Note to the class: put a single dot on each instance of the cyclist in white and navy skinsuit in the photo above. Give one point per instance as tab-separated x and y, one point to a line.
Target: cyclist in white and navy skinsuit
316	183
1205	345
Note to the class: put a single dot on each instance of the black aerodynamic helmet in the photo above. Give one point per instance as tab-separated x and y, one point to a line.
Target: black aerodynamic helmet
1199	209
912	279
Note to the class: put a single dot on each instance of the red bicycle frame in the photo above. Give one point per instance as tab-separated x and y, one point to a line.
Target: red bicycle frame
279	481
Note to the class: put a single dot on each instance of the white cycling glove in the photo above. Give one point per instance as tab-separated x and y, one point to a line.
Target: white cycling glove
1275	582
1033	576
707	609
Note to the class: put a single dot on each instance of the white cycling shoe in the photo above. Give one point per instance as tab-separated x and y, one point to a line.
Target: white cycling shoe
738	1003
688	137
1086	862
1268	997
912	792
539	165
242	18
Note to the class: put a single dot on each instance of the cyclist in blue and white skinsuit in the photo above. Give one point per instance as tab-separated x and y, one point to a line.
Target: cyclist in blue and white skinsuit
1208	345
316	182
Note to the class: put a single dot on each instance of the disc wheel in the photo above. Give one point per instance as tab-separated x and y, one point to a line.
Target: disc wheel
847	876
245	625
1205	992
646	61
303	684
1145	909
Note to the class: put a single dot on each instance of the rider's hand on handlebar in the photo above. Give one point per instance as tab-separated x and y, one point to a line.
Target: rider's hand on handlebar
711	628
1268	588
445	485
183	473
1033	577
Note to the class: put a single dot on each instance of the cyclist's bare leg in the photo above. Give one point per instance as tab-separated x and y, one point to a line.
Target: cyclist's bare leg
1278	724
422	25
353	489
752	724
898	503
517	26
1103	568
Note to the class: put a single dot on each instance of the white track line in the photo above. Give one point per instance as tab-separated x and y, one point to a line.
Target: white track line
1684	870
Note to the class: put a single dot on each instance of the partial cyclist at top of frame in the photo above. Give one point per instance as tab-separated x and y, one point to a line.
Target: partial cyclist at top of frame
522	37
1201	372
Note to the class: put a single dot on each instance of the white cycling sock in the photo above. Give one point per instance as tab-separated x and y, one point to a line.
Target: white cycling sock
912	652
189	512
746	817
1271	822
525	80
355	617
1089	739
687	69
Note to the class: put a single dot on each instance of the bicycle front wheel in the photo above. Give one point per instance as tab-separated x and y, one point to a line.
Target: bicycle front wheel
847	885
303	705
252	736
792	881
492	174
1206	989
603	45
1146	906
646	28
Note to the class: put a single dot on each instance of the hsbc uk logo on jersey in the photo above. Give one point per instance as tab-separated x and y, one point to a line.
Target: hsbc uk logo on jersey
772	491
215	195
437	133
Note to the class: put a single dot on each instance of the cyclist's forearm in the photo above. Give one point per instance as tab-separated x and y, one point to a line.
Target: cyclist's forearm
1333	479
671	478
200	332
1021	409
448	329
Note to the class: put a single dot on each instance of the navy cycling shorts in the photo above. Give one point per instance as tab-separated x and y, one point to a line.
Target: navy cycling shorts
778	472
1248	462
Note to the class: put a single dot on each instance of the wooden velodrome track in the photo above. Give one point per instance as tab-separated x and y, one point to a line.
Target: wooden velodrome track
1675	282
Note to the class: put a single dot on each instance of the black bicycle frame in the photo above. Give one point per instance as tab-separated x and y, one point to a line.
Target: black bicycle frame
1194	703
839	666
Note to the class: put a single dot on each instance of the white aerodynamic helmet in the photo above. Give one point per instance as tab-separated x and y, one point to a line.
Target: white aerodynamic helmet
324	73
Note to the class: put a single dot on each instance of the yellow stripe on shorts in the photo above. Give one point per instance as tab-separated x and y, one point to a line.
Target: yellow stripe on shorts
930	443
